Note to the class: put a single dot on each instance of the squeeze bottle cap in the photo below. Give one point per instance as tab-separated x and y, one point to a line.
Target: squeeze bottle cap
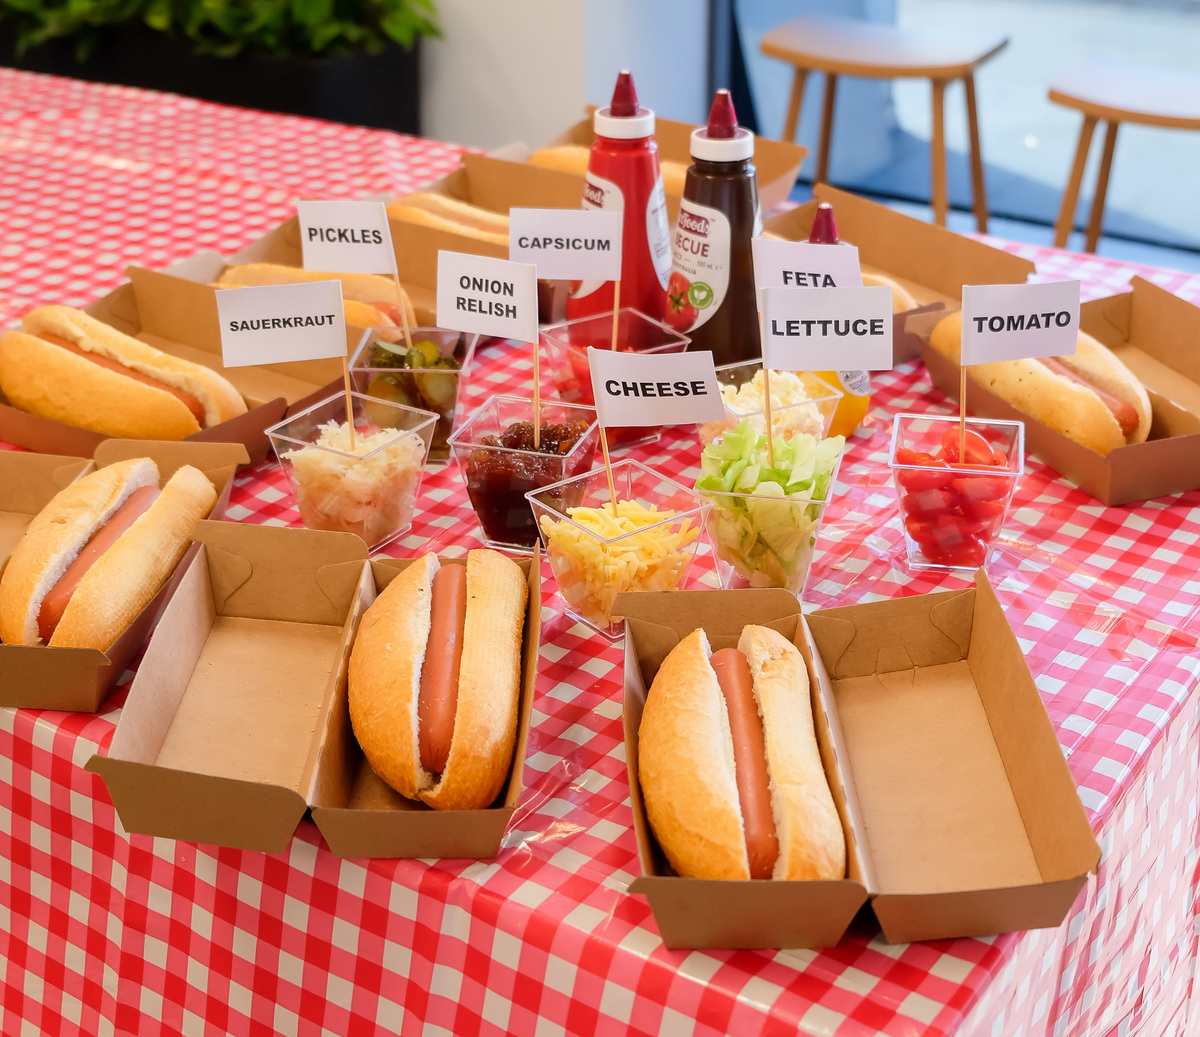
624	118
722	140
824	227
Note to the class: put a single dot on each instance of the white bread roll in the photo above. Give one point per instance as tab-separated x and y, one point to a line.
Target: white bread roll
566	158
436	221
46	379
901	300
455	210
686	764
385	678
1058	402
125	578
374	289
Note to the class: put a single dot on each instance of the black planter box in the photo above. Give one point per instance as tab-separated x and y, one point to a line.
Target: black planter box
378	90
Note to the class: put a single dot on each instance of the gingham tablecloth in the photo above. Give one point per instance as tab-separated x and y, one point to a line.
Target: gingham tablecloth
102	932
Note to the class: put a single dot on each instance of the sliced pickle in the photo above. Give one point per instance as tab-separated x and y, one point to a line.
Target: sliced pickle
389	387
438	388
427	352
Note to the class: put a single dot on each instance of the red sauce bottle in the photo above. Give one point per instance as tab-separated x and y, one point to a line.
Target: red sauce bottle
623	174
711	293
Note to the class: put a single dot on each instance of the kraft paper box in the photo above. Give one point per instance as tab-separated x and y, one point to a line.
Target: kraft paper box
498	186
41	677
777	162
960	815
175	310
361	816
1154	333
930	262
237	722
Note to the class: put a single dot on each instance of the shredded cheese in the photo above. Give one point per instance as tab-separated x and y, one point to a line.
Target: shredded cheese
593	566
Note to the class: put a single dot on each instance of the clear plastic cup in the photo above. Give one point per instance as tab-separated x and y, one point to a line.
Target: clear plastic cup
809	407
952	512
382	367
370	491
650	545
499	477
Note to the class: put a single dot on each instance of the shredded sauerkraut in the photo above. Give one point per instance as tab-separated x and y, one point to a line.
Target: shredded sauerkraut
792	409
373	497
592	568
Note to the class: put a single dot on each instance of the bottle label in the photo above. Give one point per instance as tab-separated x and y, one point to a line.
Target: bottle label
856	383
700	266
658	233
598	193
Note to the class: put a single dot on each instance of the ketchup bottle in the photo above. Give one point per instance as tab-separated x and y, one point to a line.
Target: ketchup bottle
856	385
623	174
711	293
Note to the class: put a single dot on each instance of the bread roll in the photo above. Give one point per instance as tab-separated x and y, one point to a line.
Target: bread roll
379	291
1056	401
385	675
687	775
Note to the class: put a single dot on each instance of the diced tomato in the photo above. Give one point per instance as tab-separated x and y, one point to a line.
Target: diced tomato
970	553
934	476
959	525
906	455
927	503
922	531
999	459
979	451
982	510
982	487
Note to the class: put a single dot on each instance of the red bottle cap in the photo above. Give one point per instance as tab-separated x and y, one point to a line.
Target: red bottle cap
824	228
722	119
624	118
722	140
624	101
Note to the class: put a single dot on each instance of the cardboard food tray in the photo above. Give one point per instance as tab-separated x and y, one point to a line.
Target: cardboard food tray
238	722
176	311
498	186
1154	333
777	162
41	677
960	814
931	263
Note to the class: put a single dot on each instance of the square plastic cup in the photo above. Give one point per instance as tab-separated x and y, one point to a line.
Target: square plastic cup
564	347
650	545
809	407
370	492
952	512
428	379
499	477
763	541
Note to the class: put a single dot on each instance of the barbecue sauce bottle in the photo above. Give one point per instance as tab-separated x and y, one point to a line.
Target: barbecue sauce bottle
711	293
856	385
623	174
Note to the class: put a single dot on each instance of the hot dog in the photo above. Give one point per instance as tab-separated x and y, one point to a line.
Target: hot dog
447	742
375	290
749	760
452	214
714	815
66	365
443	660
98	553
1090	397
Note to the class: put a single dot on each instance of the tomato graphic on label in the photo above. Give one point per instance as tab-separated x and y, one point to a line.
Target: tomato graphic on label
681	312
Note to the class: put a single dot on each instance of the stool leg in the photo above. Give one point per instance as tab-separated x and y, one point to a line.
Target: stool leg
937	155
792	119
826	129
1093	228
1066	212
978	193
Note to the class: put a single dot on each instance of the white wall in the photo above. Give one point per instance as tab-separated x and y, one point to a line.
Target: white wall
523	70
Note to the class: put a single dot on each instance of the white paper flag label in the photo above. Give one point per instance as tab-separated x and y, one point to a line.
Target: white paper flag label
636	389
281	323
834	329
1019	321
487	296
567	244
349	237
802	264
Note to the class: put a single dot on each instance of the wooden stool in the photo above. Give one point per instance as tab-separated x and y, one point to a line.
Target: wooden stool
839	46
1117	92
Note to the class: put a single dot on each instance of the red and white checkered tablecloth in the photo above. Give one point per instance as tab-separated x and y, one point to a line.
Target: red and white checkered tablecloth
102	932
